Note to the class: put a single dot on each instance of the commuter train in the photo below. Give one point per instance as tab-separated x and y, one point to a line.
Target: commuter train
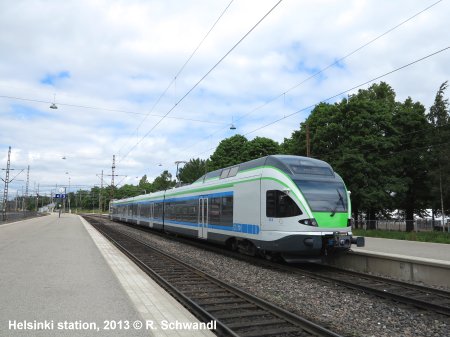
276	206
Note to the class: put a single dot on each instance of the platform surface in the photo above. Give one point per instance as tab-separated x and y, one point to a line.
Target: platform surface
409	249
62	276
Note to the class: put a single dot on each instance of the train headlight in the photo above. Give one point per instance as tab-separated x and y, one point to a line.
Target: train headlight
309	222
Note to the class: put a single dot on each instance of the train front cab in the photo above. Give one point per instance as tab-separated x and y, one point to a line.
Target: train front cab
305	209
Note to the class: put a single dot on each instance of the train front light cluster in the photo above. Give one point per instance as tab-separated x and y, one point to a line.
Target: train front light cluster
309	222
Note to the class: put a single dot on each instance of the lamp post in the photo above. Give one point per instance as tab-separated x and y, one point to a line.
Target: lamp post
178	162
68	195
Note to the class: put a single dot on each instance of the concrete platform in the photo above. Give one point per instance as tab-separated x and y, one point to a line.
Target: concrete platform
423	262
60	277
413	249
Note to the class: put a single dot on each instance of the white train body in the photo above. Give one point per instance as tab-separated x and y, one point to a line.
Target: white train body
277	205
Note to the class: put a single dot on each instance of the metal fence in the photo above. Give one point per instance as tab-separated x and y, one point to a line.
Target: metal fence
16	216
419	225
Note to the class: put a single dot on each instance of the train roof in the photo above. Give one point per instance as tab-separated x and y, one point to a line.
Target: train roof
292	165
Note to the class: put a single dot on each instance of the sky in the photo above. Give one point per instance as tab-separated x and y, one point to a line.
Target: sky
115	68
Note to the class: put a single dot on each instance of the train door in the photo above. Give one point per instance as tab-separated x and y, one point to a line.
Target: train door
151	215
138	214
203	218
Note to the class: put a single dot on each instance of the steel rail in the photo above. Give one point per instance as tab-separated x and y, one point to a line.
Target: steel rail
236	312
410	294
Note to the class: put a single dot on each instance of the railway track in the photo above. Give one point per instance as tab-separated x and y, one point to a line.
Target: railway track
413	295
420	297
236	312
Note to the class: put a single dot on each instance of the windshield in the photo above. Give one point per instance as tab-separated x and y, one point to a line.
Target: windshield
323	196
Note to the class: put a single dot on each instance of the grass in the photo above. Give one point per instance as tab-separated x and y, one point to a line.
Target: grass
432	236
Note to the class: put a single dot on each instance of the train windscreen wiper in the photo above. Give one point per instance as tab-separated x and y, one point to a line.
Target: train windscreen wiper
341	200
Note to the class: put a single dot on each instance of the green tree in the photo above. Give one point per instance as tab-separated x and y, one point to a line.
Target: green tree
163	182
411	160
230	151
144	185
353	136
439	118
193	170
260	147
127	191
358	148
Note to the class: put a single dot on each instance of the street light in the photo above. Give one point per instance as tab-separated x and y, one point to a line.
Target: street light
178	162
232	127
53	106
68	195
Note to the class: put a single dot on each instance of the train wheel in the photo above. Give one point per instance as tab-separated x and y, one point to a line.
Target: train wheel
232	245
270	256
247	248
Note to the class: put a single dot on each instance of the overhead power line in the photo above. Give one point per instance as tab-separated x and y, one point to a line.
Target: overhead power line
341	59
340	94
157	101
180	71
404	146
323	69
351	89
109	109
200	80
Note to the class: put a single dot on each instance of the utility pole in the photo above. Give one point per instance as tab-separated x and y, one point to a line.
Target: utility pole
37	199
442	199
308	148
7	181
5	191
100	206
112	176
26	188
178	162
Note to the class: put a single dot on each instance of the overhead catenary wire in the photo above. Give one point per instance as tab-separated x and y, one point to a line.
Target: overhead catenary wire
339	94
200	80
323	69
181	70
405	144
351	89
110	109
341	59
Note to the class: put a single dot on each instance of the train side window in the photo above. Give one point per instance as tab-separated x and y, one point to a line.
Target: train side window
233	171
226	218
214	211
224	173
280	205
158	210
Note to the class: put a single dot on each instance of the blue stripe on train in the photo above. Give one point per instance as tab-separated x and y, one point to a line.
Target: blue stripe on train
239	228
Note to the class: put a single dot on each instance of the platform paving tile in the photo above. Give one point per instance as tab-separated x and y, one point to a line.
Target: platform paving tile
52	272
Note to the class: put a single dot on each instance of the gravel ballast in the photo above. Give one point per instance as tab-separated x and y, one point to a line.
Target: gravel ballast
344	311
